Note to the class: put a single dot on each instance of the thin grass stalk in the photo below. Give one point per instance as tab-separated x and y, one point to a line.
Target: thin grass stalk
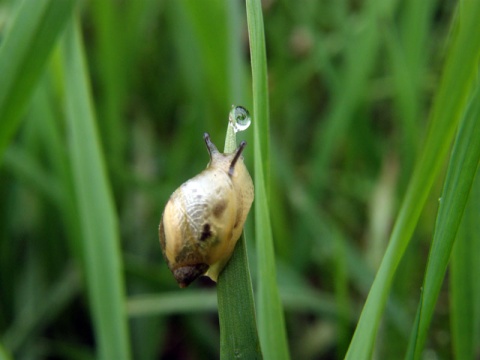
464	285
100	243
236	307
258	58
460	175
271	323
23	54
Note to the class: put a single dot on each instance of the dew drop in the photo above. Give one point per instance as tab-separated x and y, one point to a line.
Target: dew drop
239	118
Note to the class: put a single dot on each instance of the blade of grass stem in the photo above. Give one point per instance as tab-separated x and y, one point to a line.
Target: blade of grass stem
460	174
271	323
236	308
236	65
464	285
458	75
465	289
297	297
95	208
209	24
23	54
171	303
258	58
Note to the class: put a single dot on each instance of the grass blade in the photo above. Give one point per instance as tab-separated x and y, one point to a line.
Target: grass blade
23	54
459	73
172	303
95	208
259	82
271	323
465	289
236	309
460	174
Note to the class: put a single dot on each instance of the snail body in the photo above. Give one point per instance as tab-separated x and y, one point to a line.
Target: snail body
204	217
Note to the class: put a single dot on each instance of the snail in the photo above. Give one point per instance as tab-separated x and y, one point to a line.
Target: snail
204	217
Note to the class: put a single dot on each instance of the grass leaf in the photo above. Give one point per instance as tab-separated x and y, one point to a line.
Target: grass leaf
465	288
236	309
458	75
23	54
99	224
171	303
271	322
460	174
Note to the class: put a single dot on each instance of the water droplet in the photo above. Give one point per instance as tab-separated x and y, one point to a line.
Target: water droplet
239	118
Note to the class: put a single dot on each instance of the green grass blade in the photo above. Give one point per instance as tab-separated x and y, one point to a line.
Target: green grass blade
208	23
271	322
23	54
95	208
460	174
459	73
464	285
179	302
236	309
259	82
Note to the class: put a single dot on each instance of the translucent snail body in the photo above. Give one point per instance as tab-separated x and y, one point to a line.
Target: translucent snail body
204	217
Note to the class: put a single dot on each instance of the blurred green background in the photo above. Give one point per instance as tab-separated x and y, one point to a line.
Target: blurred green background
350	88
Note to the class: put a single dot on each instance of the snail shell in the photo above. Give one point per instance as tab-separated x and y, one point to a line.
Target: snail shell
204	217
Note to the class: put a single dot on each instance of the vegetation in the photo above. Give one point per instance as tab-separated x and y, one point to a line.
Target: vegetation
363	238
